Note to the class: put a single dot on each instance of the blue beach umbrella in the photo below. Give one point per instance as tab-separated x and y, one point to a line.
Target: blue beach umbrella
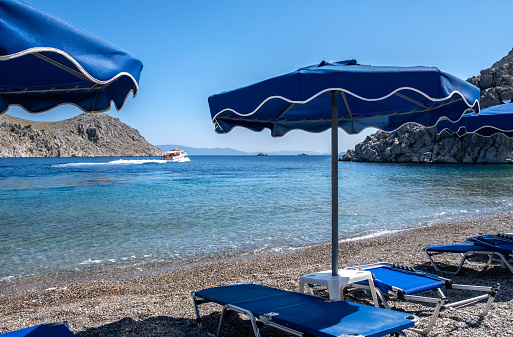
346	95
492	120
46	62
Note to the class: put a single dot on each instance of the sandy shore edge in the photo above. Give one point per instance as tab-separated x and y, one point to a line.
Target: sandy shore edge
159	303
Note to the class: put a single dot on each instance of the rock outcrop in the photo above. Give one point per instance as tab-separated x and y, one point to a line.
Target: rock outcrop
86	135
418	144
496	83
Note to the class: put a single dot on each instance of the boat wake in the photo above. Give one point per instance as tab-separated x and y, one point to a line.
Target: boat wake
114	162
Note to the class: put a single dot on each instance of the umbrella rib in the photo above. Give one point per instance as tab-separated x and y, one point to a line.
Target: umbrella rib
428	108
347	105
61	66
42	91
284	111
411	100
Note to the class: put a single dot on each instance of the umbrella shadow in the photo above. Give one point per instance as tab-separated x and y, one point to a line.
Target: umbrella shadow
234	325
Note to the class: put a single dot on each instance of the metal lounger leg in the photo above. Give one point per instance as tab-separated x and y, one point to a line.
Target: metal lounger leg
196	309
242	311
383	299
463	259
430	257
432	320
491	297
376	295
505	261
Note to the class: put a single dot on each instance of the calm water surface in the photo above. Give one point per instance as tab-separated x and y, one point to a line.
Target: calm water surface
59	214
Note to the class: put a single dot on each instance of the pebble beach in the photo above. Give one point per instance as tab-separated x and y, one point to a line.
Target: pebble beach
157	301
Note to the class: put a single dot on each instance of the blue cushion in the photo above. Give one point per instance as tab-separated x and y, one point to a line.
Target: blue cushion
340	318
43	330
410	282
455	248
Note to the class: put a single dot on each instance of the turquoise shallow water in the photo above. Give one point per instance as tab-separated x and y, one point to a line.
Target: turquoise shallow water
61	214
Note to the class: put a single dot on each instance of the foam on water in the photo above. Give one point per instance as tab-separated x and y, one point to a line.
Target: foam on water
114	162
7	279
372	234
91	261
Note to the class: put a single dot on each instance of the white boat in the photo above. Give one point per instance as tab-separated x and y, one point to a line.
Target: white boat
175	155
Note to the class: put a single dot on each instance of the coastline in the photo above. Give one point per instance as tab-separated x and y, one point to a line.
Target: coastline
157	302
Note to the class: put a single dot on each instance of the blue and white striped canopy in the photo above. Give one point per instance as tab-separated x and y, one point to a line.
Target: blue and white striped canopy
492	120
46	62
367	96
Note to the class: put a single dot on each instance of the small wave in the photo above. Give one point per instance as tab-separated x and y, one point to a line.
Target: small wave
114	162
373	234
90	261
7	278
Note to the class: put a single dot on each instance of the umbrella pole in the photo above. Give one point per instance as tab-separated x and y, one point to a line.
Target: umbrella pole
334	184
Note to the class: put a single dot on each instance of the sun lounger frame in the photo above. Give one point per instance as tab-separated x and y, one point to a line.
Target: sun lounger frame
477	245
441	302
267	318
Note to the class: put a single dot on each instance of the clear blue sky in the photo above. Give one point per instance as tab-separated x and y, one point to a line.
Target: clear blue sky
193	49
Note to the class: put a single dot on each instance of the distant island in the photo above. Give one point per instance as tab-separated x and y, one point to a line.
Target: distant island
192	151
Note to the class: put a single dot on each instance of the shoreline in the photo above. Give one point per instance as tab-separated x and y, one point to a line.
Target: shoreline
158	302
130	271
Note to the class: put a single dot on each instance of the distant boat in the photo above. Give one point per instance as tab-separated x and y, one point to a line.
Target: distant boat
175	155
302	154
262	155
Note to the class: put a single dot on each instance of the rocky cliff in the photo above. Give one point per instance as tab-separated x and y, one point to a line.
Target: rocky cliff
496	83
86	135
417	144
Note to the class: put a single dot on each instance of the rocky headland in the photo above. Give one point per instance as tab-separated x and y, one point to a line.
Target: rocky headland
416	144
86	135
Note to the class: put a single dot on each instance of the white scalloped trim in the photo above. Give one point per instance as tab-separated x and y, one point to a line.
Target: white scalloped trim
350	93
82	70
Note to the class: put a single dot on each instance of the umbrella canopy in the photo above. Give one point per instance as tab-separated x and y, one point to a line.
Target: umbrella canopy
368	96
492	120
46	62
346	95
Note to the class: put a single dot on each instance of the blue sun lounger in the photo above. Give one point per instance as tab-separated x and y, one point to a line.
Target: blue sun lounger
302	314
395	282
42	330
498	246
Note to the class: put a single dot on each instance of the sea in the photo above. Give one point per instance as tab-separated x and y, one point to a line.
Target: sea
62	215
